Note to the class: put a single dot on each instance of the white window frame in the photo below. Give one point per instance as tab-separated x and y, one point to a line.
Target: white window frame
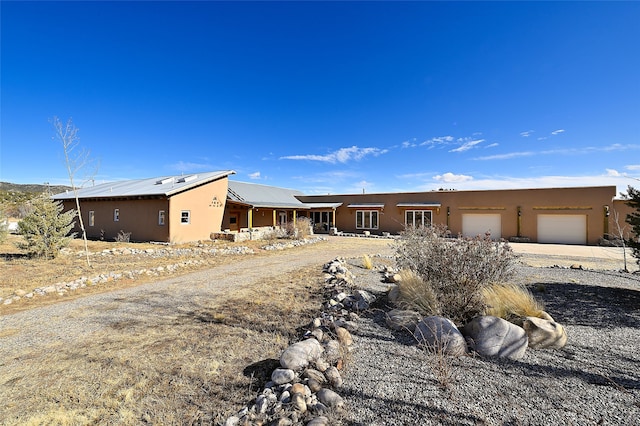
414	215
116	215
365	219
161	217
92	218
185	217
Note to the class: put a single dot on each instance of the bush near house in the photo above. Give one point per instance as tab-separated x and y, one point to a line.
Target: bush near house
46	229
450	272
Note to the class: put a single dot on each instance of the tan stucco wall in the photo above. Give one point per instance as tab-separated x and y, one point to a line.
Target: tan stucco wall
140	217
589	201
622	209
206	206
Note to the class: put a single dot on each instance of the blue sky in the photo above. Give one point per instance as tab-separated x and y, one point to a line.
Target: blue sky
322	97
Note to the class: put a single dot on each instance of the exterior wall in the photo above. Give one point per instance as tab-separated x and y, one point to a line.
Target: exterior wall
261	216
518	208
619	213
140	217
205	204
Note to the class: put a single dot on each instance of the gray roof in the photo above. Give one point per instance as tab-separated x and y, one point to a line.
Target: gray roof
163	186
256	195
323	205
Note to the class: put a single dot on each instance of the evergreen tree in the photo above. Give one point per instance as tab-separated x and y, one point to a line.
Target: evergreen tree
46	228
633	219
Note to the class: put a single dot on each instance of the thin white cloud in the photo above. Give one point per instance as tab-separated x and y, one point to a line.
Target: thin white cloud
185	166
612	172
409	144
567	151
511	182
467	145
632	167
506	156
255	175
527	133
541	138
440	140
452	178
342	155
557	132
492	145
422	175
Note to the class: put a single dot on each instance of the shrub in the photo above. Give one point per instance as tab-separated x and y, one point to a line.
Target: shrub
511	302
455	270
367	263
415	293
301	230
46	228
123	237
4	225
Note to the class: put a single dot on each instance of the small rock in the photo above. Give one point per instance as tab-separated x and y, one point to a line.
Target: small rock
344	336
319	421
297	388
398	319
299	403
282	375
299	355
330	398
544	334
333	376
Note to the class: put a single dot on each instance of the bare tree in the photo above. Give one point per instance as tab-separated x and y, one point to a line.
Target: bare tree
622	234
75	159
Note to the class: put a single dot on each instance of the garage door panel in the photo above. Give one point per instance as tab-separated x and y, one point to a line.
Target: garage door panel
562	229
479	224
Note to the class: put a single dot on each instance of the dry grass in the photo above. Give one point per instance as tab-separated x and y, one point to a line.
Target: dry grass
196	367
18	272
367	263
415	293
511	302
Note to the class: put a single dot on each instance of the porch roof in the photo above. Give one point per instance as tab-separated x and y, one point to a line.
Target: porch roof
256	196
323	205
418	205
366	206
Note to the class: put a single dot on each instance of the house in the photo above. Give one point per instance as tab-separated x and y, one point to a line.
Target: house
251	205
168	209
205	205
579	215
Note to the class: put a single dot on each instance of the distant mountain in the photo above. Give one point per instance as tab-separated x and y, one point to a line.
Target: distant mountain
32	188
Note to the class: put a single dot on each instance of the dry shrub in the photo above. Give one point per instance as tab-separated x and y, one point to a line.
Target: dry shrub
511	302
455	269
367	263
415	293
301	229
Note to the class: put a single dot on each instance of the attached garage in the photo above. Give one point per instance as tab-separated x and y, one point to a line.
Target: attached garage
479	224
562	229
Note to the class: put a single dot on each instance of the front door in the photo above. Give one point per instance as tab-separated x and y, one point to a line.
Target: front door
234	221
283	218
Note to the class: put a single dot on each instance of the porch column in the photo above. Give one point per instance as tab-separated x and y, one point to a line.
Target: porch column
250	218
295	214
333	218
274	218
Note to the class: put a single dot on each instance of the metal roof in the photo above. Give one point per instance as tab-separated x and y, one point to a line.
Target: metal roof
256	195
164	186
434	204
366	206
323	205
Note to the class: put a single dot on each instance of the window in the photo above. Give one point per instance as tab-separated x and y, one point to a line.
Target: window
92	218
416	218
116	215
366	219
185	217
161	217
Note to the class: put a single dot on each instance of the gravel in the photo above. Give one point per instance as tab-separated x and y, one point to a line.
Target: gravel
594	380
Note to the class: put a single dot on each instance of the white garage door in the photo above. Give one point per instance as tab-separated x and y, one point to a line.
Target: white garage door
479	224
562	229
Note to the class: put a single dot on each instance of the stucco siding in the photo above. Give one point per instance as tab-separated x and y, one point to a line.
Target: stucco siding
205	207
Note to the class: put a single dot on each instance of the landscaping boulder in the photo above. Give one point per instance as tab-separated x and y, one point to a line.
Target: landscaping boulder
299	355
440	334
544	334
494	337
398	319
